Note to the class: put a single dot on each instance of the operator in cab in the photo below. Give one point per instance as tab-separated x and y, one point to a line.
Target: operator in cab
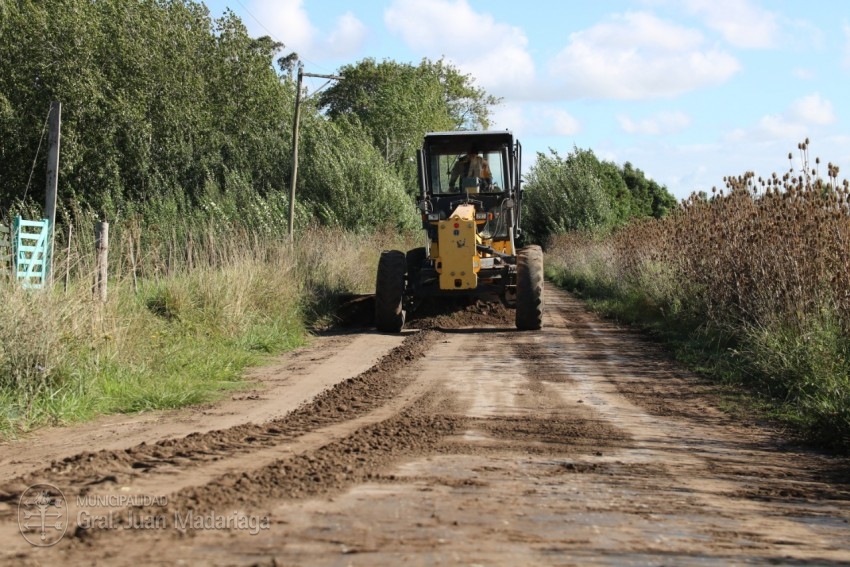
472	165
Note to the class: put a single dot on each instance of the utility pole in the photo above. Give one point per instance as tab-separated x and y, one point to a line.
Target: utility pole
295	125
53	138
294	177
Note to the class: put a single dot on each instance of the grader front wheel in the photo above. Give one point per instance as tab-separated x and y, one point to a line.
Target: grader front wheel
529	288
389	291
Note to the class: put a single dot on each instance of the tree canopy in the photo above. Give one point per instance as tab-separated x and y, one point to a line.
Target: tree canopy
168	109
163	102
580	192
156	97
397	103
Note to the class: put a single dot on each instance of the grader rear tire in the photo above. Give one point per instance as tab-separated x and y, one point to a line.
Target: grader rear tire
389	291
529	288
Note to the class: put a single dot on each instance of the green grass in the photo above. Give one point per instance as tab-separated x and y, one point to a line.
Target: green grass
145	359
181	336
797	376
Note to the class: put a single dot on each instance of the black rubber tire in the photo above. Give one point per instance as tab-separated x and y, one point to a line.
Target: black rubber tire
415	257
529	288
389	291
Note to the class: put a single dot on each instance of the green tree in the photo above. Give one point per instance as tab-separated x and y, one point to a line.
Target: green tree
167	112
157	99
580	192
565	194
647	196
614	185
346	182
397	103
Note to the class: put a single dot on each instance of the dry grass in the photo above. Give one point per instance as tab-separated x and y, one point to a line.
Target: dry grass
764	263
187	311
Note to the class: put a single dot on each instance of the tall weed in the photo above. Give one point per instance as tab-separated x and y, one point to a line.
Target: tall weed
762	268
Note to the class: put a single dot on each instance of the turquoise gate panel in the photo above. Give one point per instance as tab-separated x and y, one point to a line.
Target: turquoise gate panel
32	249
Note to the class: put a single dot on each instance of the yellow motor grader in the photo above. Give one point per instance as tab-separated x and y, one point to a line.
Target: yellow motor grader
470	201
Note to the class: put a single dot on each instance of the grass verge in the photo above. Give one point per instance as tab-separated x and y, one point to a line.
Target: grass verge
183	335
797	377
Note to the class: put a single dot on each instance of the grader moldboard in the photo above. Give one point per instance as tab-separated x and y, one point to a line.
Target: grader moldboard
471	215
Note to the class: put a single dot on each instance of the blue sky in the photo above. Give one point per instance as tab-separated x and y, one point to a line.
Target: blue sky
688	90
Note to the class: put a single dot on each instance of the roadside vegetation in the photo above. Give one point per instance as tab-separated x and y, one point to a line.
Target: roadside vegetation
579	192
186	313
749	285
177	130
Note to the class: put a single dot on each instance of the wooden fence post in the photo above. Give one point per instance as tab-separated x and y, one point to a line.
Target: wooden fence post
6	262
68	258
132	242
101	239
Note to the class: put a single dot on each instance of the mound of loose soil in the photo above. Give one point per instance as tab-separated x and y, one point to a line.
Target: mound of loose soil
446	313
457	313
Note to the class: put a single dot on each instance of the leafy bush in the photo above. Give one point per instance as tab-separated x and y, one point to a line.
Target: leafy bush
580	192
564	194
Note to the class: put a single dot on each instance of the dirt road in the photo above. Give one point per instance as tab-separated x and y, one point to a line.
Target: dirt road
579	444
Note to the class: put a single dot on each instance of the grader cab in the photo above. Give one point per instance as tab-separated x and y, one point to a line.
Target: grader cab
470	202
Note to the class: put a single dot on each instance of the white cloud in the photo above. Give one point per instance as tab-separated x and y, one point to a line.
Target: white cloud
801	35
508	115
562	122
781	127
549	120
799	121
347	36
535	119
739	21
492	52
813	109
286	20
289	22
638	56
661	123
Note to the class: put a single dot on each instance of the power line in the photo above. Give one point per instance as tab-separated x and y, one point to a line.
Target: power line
43	130
271	34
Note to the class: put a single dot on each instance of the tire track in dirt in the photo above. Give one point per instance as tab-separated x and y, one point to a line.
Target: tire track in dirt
555	465
159	468
329	468
349	399
700	458
517	438
281	385
573	445
641	382
332	432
